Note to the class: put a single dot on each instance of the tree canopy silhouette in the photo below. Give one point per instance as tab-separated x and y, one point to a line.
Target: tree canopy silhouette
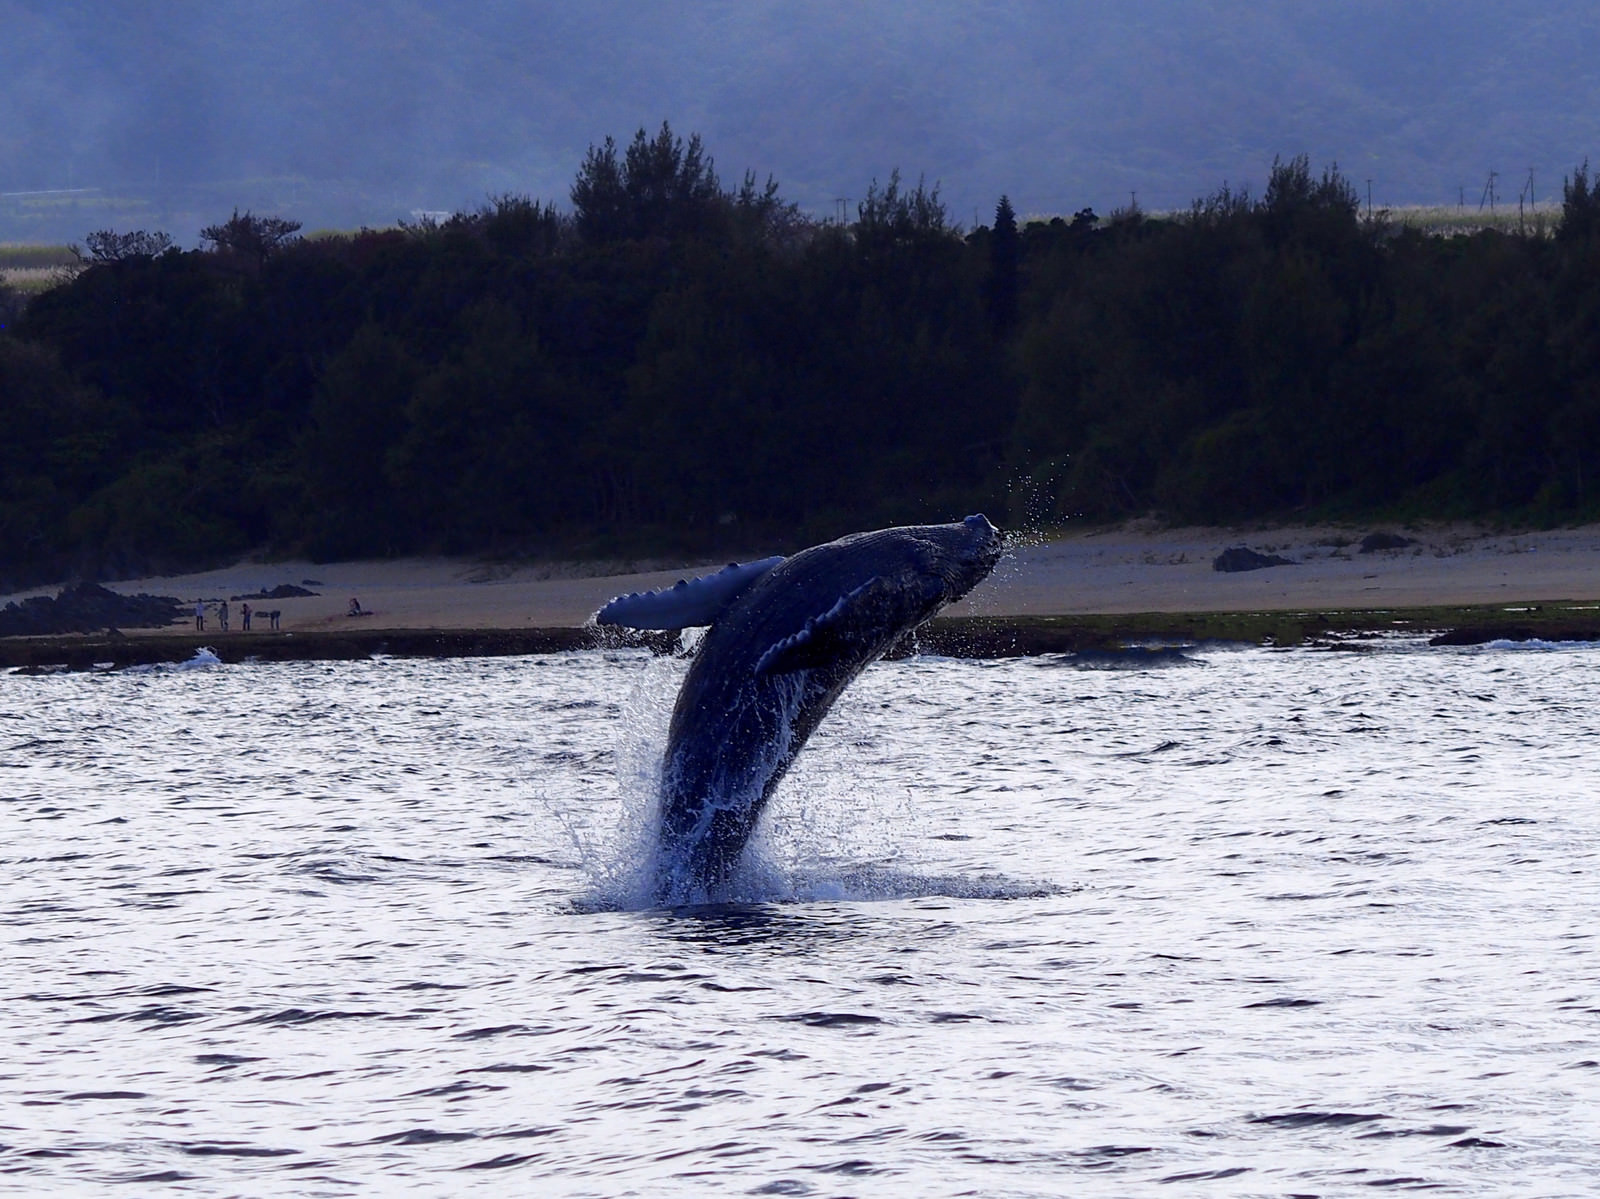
675	367
251	238
661	186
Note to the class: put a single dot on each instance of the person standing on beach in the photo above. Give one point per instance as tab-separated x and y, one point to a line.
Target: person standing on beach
244	618
199	616
222	615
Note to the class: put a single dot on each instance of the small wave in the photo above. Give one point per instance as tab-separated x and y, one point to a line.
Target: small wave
1134	657
504	1161
36	743
763	883
109	1095
155	1014
497	1030
1433	1130
1314	1119
1207	1175
422	1136
295	1015
334	870
225	1061
204	658
1536	645
158	1176
829	1019
881	883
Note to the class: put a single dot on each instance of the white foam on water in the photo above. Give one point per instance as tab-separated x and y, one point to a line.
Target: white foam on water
617	851
824	837
204	658
1533	644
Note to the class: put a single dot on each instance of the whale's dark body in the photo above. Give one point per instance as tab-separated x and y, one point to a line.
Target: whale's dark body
786	637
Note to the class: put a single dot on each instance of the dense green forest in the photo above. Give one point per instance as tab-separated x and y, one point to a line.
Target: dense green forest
676	365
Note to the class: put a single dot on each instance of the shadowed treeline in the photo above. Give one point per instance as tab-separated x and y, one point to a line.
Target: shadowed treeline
683	366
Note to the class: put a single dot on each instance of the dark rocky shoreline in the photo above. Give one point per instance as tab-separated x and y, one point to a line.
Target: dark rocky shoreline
964	637
87	608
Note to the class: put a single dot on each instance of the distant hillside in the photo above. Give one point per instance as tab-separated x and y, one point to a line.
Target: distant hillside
169	116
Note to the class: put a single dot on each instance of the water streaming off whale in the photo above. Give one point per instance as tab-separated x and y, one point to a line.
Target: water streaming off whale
1264	923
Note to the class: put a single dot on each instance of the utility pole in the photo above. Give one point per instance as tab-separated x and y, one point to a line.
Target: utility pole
1369	201
1488	192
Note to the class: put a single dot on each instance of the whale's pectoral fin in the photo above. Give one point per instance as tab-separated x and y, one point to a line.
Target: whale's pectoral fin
833	634
686	604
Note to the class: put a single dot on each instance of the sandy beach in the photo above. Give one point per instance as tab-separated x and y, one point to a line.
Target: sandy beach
1127	569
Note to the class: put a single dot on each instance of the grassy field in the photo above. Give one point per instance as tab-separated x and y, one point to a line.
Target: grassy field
1444	220
36	268
1447	219
31	280
20	256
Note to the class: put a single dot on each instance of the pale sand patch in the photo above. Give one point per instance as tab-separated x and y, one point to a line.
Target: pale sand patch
1121	570
1133	570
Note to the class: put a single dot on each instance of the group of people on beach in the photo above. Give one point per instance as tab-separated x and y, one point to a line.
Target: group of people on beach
245	614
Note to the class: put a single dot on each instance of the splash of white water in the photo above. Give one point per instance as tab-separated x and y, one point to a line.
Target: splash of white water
826	836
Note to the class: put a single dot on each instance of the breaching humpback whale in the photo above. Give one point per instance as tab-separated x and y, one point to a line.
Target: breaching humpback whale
786	636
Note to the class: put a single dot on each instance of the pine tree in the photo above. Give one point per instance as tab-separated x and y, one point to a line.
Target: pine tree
1004	254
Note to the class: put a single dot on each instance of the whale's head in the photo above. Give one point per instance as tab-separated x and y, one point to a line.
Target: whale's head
963	553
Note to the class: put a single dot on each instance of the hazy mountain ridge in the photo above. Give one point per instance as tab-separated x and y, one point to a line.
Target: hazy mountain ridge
342	115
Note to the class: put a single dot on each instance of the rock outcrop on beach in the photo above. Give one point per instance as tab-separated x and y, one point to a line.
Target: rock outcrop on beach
88	608
281	591
1240	558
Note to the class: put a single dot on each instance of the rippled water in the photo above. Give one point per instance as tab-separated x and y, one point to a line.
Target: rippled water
1270	923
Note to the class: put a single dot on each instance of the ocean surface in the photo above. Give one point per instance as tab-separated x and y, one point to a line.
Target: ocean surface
1231	922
